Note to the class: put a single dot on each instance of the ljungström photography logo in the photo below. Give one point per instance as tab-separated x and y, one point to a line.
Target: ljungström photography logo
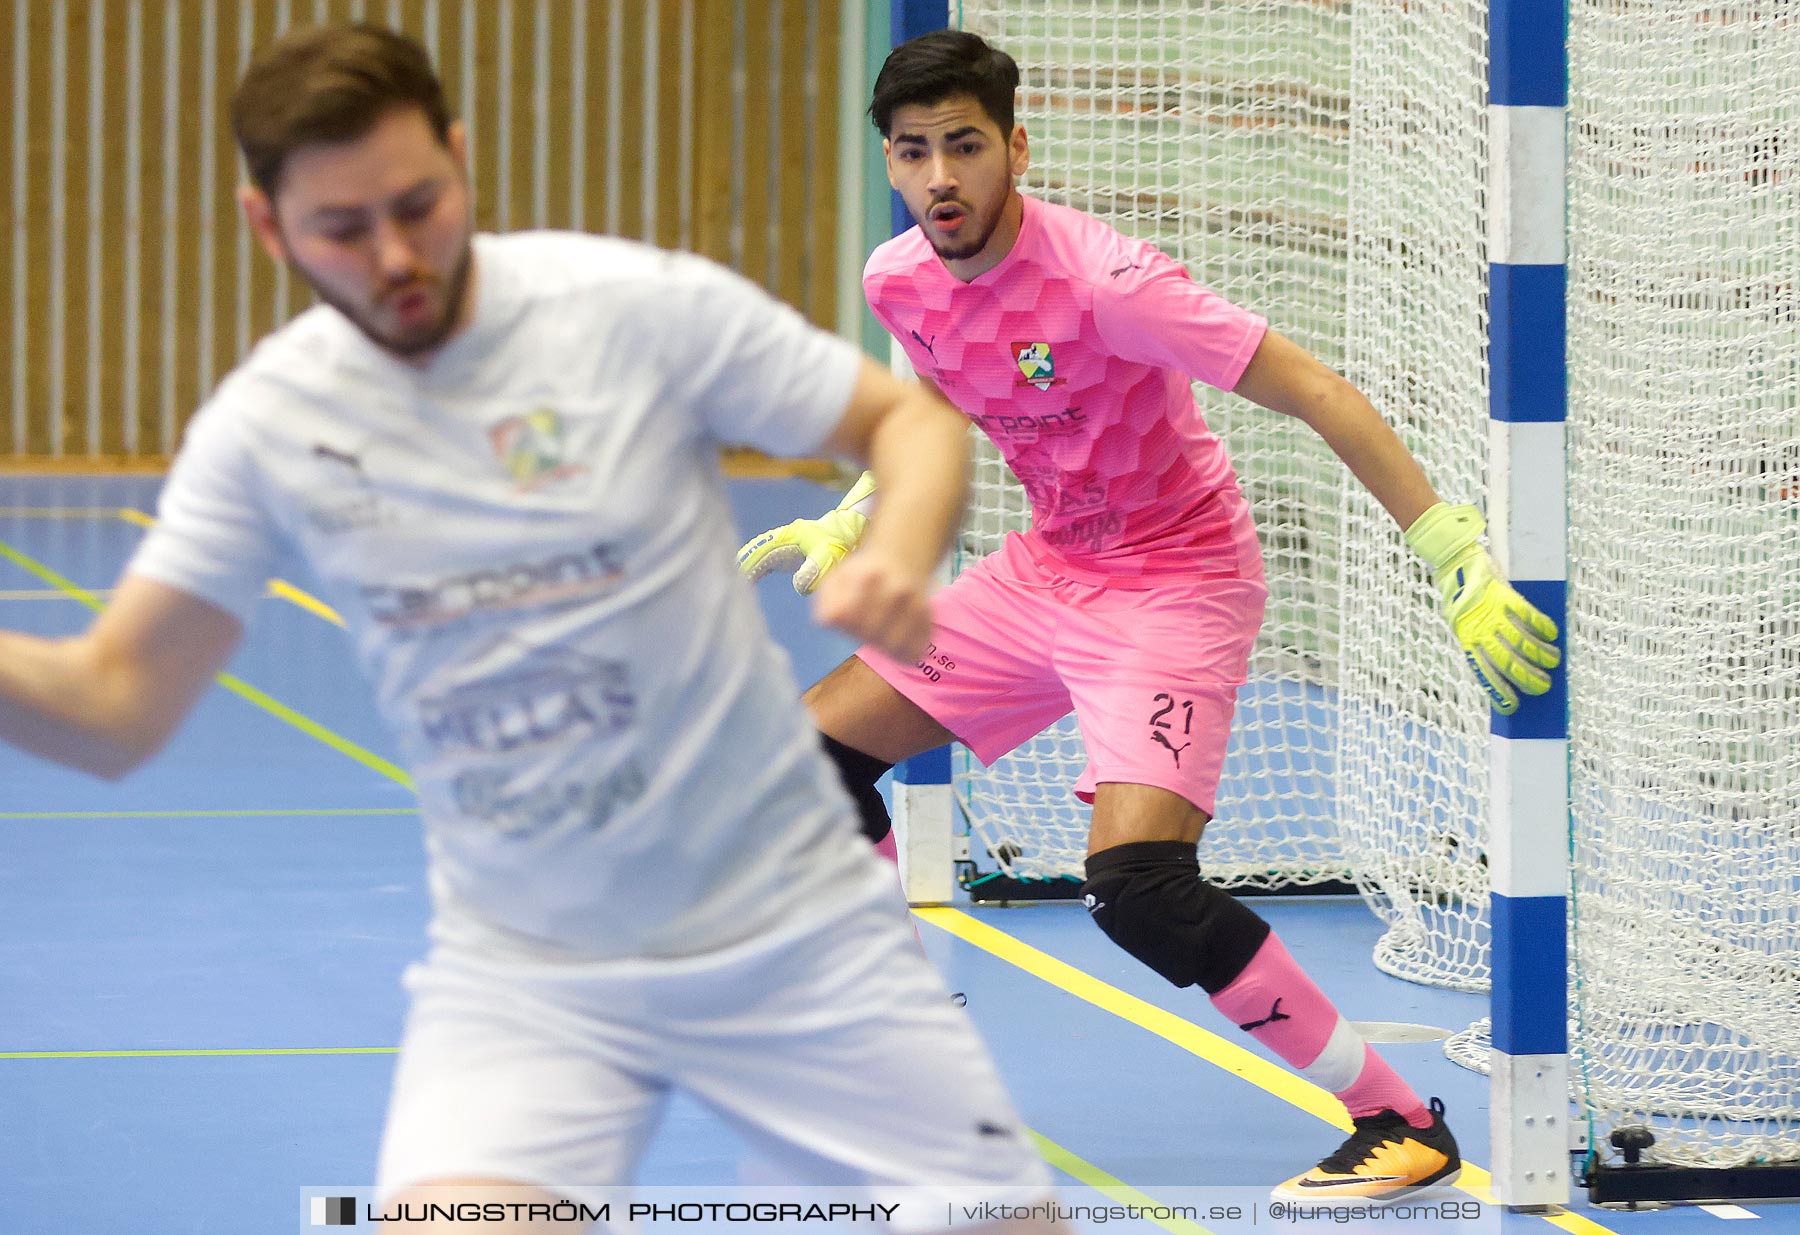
777	1209
333	1211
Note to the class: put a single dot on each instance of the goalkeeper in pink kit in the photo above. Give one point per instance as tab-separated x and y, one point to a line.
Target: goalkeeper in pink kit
1136	596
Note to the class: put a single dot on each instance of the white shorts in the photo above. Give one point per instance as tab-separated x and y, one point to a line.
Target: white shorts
830	1045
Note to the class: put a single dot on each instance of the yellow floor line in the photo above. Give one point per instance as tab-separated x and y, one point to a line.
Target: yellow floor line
1190	1037
281	589
312	728
230	682
43	594
1575	1223
278	589
1107	1185
34	567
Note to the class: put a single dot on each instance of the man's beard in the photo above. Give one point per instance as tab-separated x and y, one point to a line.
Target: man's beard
432	337
959	250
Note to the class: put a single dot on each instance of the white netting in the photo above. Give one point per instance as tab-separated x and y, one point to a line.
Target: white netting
1326	163
1684	505
1217	132
1329	178
1412	737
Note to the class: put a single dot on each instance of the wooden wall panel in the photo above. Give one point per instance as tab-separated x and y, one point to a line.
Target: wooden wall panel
664	227
755	143
819	255
40	388
71	196
129	284
554	58
594	26
714	207
791	137
13	432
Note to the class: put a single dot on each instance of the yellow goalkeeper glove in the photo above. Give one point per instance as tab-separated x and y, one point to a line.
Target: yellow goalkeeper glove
810	547
1507	641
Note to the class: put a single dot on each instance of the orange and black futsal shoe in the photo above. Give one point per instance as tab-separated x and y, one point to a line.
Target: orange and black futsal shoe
1385	1160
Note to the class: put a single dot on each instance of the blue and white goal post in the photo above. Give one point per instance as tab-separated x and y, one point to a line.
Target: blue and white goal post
1528	523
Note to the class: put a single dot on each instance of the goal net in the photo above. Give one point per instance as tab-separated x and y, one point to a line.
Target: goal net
1172	123
1684	512
1325	163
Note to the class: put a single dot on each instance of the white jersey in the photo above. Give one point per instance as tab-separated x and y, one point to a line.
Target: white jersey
529	540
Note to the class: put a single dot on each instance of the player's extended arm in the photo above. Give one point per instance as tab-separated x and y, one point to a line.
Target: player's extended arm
1506	640
106	700
808	548
917	449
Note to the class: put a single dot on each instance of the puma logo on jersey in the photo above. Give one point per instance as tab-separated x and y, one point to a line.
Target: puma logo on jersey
927	346
1156	736
322	451
1113	274
344	502
1275	1014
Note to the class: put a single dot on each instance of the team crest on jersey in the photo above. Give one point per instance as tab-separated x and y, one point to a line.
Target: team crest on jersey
531	447
1036	364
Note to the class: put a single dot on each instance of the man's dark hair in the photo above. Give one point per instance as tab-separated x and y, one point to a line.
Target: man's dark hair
329	84
936	66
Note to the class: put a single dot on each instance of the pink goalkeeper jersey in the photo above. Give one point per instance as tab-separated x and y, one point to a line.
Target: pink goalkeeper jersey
1075	355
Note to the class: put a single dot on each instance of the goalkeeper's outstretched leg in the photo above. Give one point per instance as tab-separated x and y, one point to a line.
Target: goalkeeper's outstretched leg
1145	890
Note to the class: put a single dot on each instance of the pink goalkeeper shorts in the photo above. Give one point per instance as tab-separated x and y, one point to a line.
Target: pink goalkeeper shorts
1151	668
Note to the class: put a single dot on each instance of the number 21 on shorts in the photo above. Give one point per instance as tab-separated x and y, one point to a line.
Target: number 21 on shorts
1170	720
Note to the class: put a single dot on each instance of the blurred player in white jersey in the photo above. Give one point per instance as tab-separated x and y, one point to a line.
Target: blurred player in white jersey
1135	598
499	454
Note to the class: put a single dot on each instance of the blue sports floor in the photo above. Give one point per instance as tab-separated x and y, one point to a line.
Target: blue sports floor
199	967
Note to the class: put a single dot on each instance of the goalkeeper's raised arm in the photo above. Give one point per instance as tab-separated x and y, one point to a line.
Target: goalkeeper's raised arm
1508	643
917	449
